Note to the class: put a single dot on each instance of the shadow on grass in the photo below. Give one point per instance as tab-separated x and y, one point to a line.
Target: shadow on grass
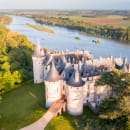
22	106
69	122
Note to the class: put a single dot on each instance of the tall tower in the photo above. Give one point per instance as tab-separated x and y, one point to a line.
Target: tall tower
74	90
53	85
37	58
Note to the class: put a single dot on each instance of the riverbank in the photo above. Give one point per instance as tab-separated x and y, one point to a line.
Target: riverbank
40	28
114	32
65	38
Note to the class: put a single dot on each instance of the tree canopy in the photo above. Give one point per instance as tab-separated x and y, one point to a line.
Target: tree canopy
116	108
15	57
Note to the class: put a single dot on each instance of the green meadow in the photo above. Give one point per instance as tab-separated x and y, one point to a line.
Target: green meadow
26	105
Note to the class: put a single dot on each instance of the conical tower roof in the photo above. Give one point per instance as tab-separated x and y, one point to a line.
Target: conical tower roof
125	68
84	68
75	80
125	60
53	74
64	59
37	49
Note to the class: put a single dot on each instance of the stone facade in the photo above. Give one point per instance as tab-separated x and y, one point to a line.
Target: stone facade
72	75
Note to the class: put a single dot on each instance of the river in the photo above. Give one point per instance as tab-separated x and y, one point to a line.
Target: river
65	39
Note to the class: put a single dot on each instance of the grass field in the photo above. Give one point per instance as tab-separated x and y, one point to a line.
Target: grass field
22	106
40	28
26	104
68	122
98	17
122	24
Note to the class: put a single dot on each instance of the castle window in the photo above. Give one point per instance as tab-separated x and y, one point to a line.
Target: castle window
41	76
98	96
87	94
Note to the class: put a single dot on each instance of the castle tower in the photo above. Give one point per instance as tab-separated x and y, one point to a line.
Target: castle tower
74	92
38	65
125	60
53	85
125	69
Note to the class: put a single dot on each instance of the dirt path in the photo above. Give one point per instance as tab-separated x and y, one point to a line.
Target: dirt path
43	121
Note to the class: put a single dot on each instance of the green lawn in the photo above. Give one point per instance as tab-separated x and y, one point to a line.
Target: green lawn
22	106
68	122
26	104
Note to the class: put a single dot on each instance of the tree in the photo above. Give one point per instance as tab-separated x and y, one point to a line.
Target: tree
116	108
17	77
5	66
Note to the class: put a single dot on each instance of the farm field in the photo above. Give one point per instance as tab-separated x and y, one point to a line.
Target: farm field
107	21
117	20
90	17
122	24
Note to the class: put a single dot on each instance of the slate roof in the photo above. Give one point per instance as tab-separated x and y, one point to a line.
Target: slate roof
75	79
53	74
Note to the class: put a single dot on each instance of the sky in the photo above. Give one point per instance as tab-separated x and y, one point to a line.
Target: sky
65	4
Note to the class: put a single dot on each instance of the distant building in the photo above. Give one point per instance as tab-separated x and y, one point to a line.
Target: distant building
72	75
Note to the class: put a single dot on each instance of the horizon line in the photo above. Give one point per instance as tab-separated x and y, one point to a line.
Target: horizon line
75	9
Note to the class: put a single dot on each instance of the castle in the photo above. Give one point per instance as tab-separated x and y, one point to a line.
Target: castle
72	75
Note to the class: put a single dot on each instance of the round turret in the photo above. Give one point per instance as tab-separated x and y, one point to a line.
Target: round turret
53	84
74	90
